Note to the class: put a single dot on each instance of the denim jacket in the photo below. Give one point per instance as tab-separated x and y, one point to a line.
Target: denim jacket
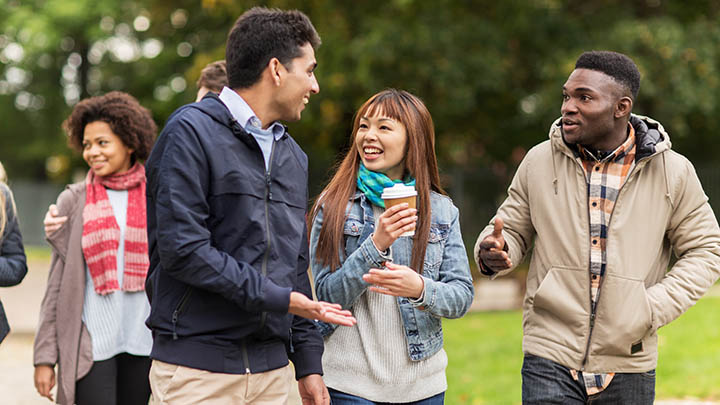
448	284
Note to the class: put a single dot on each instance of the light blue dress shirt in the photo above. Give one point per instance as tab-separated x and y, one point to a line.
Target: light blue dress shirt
245	116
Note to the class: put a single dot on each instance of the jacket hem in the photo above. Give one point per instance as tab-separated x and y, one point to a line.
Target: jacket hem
216	358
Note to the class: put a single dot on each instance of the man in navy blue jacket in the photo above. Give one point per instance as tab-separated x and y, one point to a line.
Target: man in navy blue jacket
226	203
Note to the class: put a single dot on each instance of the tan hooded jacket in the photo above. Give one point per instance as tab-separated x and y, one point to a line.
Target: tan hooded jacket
661	209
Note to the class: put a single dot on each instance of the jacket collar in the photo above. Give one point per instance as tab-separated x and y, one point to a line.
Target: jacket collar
212	106
650	137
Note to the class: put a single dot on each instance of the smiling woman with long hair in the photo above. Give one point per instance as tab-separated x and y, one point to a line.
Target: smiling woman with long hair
398	287
92	319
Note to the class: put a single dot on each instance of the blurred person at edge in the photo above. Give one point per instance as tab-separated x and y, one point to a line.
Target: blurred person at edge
227	196
606	202
13	265
212	78
92	318
398	287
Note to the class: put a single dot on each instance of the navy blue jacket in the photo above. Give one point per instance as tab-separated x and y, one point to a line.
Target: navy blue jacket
13	266
228	243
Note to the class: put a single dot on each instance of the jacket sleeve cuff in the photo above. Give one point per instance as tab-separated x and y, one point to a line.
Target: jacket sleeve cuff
372	255
421	300
306	362
277	299
484	270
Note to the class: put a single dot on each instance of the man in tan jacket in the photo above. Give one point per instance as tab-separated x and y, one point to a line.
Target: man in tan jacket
606	202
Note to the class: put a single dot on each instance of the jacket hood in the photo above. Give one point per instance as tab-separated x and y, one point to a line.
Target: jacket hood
209	106
651	137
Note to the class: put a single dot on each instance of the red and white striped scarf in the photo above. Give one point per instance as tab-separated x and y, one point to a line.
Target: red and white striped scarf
101	233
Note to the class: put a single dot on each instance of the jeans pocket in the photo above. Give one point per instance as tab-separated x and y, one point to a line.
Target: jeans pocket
649	374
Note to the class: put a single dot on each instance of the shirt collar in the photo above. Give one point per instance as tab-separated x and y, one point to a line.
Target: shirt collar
618	153
245	116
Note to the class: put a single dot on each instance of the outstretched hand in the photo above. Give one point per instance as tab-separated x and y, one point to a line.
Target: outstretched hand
397	280
492	249
303	306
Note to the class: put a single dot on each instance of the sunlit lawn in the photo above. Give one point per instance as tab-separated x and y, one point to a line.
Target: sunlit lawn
485	356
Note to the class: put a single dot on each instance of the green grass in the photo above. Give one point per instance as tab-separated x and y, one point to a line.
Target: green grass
37	253
485	356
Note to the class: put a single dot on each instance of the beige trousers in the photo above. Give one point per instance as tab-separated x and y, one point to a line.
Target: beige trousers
172	384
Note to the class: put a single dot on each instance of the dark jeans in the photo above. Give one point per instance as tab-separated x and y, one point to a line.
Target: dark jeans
341	398
547	382
120	380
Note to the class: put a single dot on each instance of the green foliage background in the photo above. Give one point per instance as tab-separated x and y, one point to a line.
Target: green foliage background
489	71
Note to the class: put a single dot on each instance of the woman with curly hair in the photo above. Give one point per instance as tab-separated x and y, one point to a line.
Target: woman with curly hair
98	338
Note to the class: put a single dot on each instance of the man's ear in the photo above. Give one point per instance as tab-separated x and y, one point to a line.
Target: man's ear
623	107
276	71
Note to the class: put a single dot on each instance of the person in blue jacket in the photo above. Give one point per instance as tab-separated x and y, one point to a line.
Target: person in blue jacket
362	255
13	265
227	197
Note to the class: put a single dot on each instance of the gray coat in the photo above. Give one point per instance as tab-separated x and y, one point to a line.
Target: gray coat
62	337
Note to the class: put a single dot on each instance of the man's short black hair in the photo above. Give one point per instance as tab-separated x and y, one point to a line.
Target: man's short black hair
614	64
261	34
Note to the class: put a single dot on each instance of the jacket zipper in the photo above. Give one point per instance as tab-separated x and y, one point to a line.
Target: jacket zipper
292	349
178	309
268	197
245	357
602	281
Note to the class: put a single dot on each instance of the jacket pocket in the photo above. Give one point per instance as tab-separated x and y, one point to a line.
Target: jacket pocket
435	248
624	317
560	308
352	230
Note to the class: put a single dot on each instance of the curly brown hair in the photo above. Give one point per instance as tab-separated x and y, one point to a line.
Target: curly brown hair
130	121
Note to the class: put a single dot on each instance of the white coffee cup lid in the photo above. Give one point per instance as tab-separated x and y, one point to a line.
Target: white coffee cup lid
398	190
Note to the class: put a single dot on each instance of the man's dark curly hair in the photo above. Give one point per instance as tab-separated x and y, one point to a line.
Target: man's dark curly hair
261	34
130	121
614	64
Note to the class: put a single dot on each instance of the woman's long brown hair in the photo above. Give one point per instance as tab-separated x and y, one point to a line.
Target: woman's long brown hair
420	162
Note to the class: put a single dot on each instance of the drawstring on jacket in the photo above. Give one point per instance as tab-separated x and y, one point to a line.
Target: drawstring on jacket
552	154
667	183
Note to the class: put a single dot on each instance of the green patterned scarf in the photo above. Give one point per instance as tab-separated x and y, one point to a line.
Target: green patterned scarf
372	184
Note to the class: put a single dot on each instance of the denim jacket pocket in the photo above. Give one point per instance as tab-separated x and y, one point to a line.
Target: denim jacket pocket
435	249
352	230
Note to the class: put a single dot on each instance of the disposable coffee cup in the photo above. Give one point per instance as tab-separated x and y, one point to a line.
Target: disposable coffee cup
398	194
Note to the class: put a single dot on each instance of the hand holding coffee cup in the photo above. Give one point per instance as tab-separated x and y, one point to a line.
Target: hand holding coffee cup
399	218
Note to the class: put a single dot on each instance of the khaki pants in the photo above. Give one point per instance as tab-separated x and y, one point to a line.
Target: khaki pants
172	384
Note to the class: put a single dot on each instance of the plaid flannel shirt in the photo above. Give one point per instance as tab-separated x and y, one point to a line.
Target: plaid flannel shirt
605	176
